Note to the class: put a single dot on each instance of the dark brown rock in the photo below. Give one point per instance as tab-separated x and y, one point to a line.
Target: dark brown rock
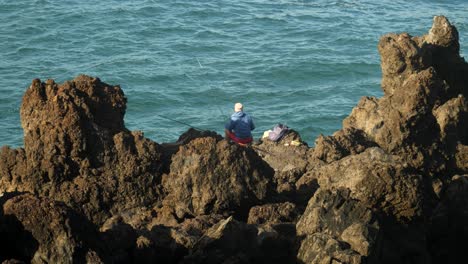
119	238
306	186
443	34
443	44
59	234
13	261
65	125
461	158
400	57
342	143
273	214
397	120
377	179
77	150
448	230
419	126
199	225
451	118
422	115
12	168
192	134
208	176
336	226
289	158
231	241
323	248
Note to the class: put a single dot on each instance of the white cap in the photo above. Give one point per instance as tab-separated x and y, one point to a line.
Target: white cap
238	107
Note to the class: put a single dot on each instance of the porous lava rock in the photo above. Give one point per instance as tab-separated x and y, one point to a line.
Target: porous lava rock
289	158
424	80
232	241
397	154
342	143
212	176
78	150
377	179
335	226
448	230
49	232
273	214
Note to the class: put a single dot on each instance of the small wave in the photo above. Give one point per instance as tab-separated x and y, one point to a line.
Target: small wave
312	58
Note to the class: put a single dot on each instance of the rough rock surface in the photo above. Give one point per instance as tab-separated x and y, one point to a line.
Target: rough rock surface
231	241
397	154
77	150
341	144
273	214
448	230
389	187
226	179
49	232
346	226
289	162
378	180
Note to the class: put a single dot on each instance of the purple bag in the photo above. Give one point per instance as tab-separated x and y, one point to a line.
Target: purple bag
278	132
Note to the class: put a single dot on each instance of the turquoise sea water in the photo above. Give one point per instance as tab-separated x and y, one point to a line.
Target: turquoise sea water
301	63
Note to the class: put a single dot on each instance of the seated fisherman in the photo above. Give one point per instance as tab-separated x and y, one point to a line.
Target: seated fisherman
239	126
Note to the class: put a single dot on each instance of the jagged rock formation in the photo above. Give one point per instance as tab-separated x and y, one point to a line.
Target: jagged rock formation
77	150
224	180
335	226
395	156
289	163
389	187
52	231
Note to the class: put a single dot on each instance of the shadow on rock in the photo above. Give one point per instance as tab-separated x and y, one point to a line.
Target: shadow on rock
212	176
16	243
448	231
52	231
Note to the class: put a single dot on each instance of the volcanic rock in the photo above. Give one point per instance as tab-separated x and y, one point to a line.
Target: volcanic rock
289	159
209	176
337	225
77	150
377	179
447	232
450	118
48	231
228	241
231	241
341	144
423	112
461	157
398	119
396	155
273	214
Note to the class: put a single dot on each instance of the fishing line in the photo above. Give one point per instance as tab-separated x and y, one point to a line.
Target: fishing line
180	122
202	130
262	150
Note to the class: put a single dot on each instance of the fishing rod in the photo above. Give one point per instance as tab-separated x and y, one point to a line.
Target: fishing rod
180	122
202	130
262	150
186	124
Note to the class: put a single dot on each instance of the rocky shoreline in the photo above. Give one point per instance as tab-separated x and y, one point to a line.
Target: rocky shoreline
390	187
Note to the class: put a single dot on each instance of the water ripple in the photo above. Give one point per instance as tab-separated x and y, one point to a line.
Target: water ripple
305	63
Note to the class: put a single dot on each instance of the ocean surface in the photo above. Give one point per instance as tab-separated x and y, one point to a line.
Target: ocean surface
302	63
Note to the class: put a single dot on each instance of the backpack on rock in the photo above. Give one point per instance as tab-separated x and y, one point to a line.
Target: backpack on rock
278	132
